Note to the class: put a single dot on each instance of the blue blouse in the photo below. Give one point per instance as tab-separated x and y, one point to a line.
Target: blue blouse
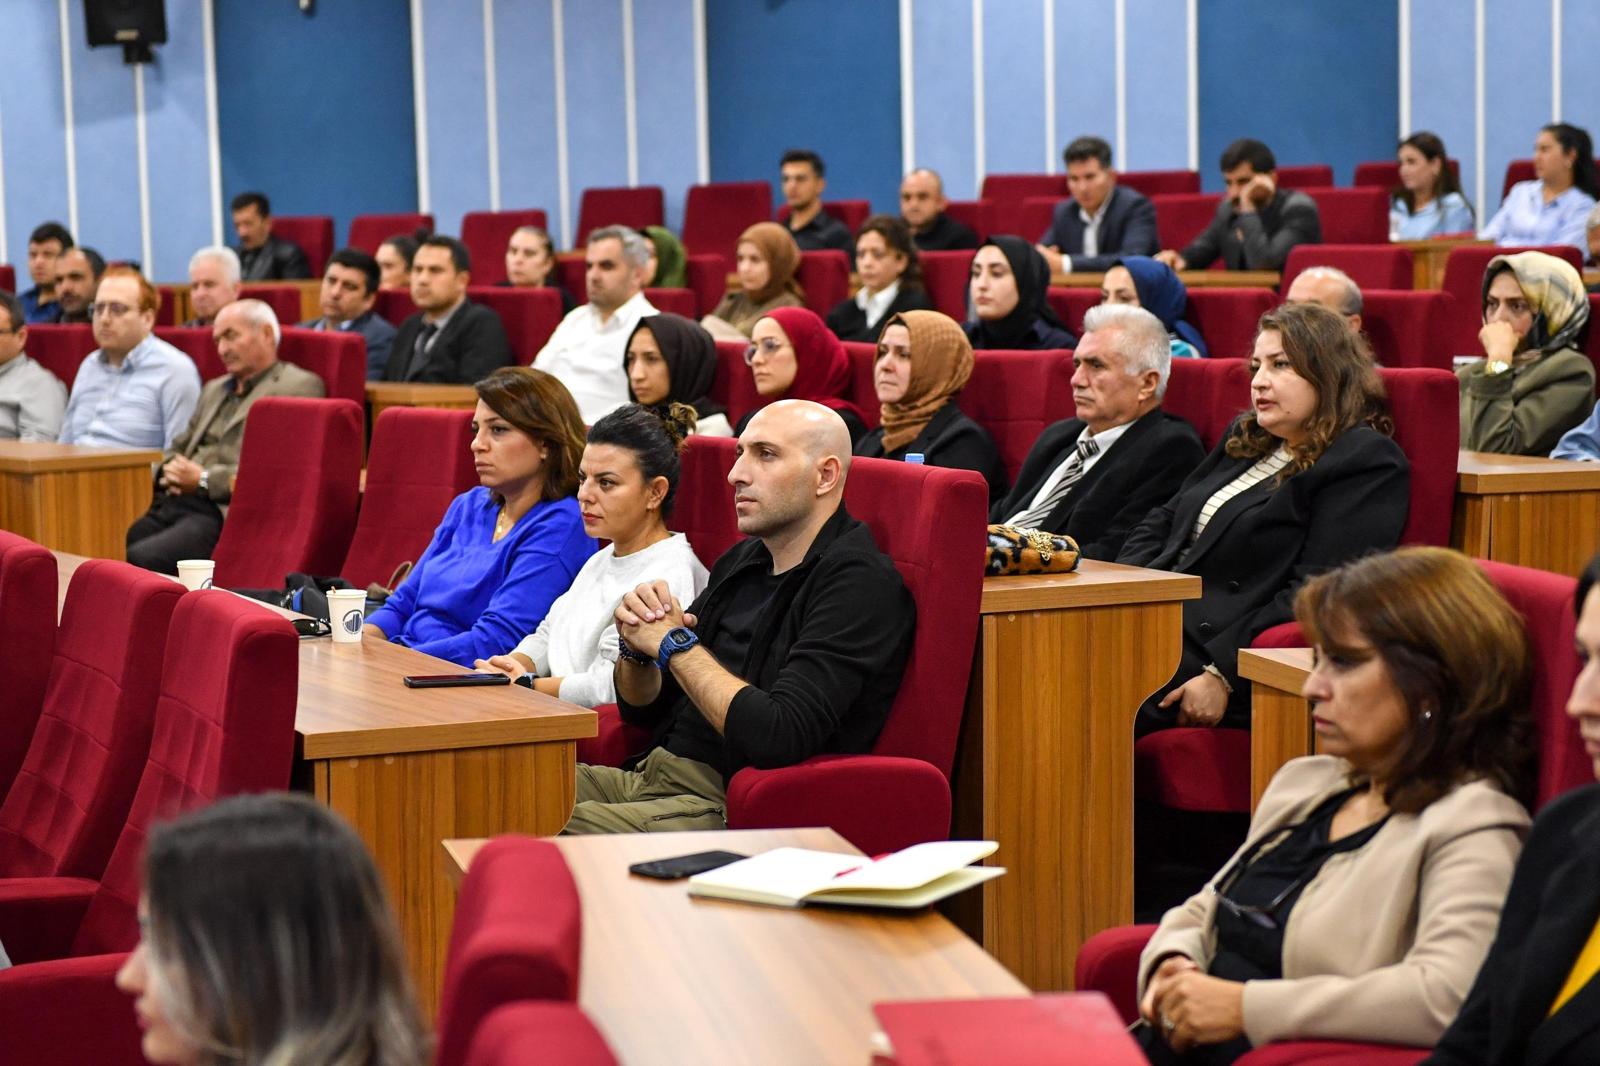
1448	214
470	597
1524	217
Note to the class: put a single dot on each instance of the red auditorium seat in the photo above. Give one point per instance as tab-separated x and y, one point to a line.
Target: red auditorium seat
733	386
1034	216
529	315
396	305
825	278
862	392
1408	328
8	278
673	301
635	207
707	276
1370	266
420	460
27	644
945	275
294	504
714	215
973	214
61	349
196	343
1180	218
1426	403
224	725
369	231
1463	280
1385	174
1006	192
536	1031
1070	305
516	936
1521	170
1160	182
339	359
314	235
1015	395
1227	318
1305	176
574	276
1208	394
486	235
851	212
283	299
167	312
1352	216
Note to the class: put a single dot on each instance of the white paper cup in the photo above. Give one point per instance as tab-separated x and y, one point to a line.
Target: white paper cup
196	573
346	613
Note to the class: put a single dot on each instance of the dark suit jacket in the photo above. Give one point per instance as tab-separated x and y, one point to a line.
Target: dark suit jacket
1260	241
1263	544
375	330
849	322
276	260
472	344
945	234
1128	228
950	439
1140	472
1549	913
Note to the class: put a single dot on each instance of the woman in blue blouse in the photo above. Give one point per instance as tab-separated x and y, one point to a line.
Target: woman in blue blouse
1550	209
1428	201
508	548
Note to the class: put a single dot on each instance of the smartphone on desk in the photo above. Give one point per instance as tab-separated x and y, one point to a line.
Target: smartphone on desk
685	865
455	680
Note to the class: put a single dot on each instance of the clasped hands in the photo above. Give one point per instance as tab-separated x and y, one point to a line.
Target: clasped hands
648	614
181	476
1188	1006
1201	700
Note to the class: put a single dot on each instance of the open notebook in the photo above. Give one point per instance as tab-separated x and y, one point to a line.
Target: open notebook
909	878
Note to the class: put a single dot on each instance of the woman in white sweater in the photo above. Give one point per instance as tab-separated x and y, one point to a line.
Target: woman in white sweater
626	484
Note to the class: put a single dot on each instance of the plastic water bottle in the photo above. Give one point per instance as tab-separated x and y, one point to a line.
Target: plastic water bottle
915	457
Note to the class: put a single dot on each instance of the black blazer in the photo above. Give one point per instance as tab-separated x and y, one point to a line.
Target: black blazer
1549	913
1263	544
472	344
849	322
1129	228
1260	241
1141	471
949	439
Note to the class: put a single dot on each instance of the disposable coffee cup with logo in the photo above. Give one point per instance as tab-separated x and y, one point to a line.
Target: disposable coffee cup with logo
196	573
347	614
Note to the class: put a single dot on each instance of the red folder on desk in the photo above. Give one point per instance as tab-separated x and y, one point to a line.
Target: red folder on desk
1050	1030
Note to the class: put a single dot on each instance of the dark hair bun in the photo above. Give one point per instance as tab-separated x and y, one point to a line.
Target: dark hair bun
679	420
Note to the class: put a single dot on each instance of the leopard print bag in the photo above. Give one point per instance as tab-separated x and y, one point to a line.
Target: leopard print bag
1029	551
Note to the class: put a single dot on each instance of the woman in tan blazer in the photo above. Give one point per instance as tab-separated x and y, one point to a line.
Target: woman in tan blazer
1368	888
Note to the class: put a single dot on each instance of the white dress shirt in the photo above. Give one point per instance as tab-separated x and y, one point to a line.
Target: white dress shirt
1105	440
587	355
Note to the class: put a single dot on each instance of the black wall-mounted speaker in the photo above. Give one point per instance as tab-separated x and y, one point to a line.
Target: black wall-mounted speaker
133	24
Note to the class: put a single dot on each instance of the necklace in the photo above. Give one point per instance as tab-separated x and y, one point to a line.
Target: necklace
502	524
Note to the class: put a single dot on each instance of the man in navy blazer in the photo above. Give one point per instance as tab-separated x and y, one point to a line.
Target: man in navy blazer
1103	221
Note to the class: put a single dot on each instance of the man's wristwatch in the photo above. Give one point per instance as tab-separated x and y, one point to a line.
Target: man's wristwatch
676	640
204	487
634	656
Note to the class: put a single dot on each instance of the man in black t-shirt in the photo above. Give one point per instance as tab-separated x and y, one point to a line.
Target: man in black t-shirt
803	177
795	648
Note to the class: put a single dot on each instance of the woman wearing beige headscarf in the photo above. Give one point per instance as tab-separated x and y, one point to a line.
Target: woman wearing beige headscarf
924	360
766	264
1534	383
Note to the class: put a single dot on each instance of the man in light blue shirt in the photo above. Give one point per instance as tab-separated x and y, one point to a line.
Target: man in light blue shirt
135	391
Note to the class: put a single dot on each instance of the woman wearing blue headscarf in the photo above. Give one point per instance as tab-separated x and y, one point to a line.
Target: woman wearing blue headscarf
1143	282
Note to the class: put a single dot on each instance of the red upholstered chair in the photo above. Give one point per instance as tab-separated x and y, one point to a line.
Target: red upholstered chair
733	386
1463	280
517	936
1305	176
1426	403
396	305
945	275
61	349
633	206
1015	395
673	301
850	212
313	233
530	315
65	807
369	231
27	644
531	1031
707	276
714	215
1034	215
1370	266
1385	174
197	344
1227	318
862	392
825	277
167	312
294	504
8	278
1071	304
1006	192
1180	217
1352	216
224	725
486	235
283	299
419	461
974	214
1160	182
338	358
1208	394
1408	328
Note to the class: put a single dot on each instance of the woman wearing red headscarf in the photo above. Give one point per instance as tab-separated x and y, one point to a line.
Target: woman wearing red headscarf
794	356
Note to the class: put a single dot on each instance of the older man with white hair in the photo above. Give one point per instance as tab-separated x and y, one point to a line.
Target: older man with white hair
196	478
1095	476
1330	287
214	274
795	648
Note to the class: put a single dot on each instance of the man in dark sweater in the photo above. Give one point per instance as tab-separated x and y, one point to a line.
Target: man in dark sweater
922	205
1256	223
796	647
262	256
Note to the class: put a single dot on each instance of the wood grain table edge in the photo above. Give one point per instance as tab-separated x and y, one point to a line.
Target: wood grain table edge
356	742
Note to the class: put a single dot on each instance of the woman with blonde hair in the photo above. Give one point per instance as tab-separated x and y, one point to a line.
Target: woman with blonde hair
766	263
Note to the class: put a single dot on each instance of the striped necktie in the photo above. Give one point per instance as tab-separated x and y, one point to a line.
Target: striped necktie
1086	449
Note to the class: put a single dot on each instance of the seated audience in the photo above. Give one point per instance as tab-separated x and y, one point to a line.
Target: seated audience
587	350
1533	1001
1305	480
1581	442
509	547
891	281
197	474
531	263
922	205
1533	384
803	178
349	292
1428	202
626	484
1008	286
1096	475
135	390
1102	220
450	339
262	256
793	356
1330	287
671	259
394	258
78	271
45	245
1256	223
32	400
213	283
265	937
924	361
802	634
765	263
1140	281
1551	208
1366	893
673	360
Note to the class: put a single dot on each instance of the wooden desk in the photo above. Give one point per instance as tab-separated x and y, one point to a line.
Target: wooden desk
1194	279
1428	258
73	498
670	979
1280	718
1045	764
411	767
385	394
1543	513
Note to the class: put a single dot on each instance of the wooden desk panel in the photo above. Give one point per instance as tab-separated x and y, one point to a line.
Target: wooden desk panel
1280	718
1428	258
671	979
1194	279
385	394
74	499
1530	511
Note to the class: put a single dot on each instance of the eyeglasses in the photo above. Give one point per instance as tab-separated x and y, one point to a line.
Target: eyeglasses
769	348
1263	916
114	309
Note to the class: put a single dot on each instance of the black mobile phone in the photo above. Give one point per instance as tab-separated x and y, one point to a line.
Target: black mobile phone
455	680
684	865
